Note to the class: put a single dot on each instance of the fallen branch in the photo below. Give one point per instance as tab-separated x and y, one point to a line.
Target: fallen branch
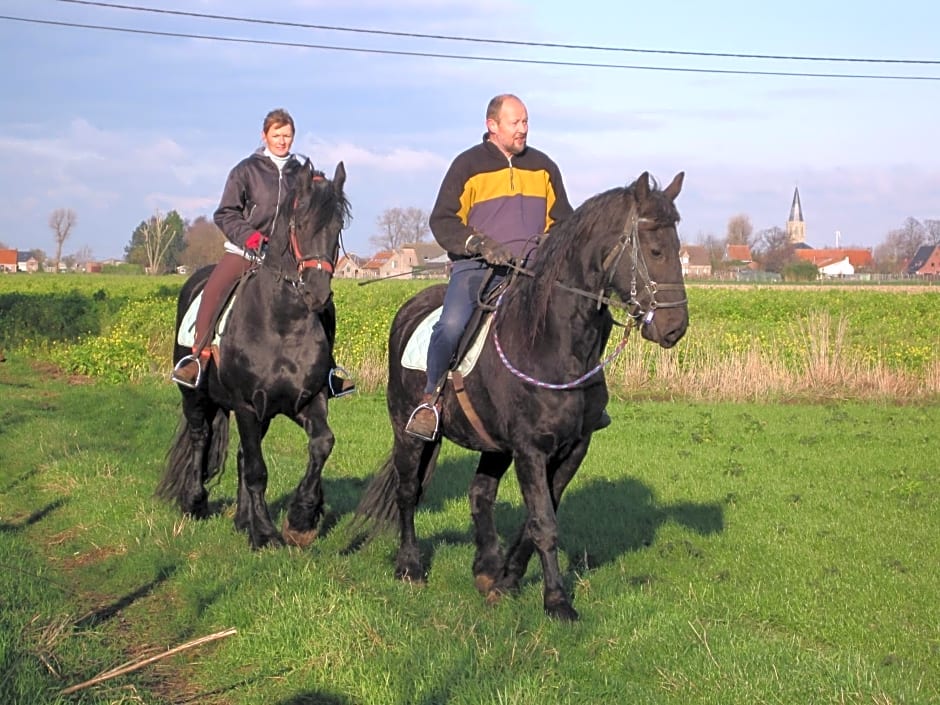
136	665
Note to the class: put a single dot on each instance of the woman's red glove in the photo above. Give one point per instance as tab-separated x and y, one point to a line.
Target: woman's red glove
255	240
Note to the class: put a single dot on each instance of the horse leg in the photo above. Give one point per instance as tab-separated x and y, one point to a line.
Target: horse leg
488	562
542	487
252	511
414	460
561	472
306	509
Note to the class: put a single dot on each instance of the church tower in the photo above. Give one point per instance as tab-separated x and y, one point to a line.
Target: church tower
796	228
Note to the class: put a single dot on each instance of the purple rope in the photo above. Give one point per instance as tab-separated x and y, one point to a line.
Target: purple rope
548	385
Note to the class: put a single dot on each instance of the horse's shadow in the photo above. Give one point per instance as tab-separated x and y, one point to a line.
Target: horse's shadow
599	520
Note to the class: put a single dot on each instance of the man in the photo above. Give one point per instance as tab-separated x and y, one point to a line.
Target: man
496	201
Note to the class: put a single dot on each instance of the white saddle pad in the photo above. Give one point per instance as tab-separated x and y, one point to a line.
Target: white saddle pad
186	335
415	355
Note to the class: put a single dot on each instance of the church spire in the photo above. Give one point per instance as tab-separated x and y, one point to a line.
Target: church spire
796	228
796	210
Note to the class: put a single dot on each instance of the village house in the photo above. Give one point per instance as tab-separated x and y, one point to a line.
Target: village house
925	262
836	262
414	260
8	259
695	261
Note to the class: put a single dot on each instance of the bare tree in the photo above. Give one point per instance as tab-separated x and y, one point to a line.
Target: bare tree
774	249
933	231
158	235
84	255
716	250
62	220
900	246
398	226
740	230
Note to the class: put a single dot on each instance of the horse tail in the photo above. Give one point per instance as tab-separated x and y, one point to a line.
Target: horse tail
179	472
379	505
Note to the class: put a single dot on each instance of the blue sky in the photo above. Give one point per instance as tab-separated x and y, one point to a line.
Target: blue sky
117	125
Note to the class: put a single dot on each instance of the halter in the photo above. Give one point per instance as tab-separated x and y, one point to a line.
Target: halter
629	238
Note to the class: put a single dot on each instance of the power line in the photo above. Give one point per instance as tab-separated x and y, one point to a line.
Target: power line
463	57
505	42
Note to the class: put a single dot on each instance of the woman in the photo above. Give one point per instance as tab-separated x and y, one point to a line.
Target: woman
253	199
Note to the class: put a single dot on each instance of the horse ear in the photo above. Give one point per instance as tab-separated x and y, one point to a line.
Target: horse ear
643	186
339	176
673	189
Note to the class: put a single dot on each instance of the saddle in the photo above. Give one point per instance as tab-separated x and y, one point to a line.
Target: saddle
186	334
414	356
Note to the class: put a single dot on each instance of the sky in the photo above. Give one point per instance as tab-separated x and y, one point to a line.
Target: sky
120	125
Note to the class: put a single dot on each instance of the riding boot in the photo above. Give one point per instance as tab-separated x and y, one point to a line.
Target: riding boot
425	419
189	370
339	382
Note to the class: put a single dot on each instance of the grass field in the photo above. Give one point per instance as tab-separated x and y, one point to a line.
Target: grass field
717	552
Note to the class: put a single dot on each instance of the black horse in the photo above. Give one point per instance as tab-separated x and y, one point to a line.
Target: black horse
537	389
273	358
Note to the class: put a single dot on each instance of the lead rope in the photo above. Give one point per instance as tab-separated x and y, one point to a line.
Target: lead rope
548	385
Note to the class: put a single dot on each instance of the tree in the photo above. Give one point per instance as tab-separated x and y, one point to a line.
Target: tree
899	247
398	226
62	221
38	254
203	244
740	230
933	232
84	256
773	249
716	251
152	242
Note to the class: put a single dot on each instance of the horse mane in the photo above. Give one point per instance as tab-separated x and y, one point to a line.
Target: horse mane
597	217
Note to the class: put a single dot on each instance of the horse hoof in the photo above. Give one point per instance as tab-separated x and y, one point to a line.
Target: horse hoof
563	613
484	583
494	596
293	537
412	576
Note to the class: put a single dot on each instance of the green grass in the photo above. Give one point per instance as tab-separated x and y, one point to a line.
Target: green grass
718	553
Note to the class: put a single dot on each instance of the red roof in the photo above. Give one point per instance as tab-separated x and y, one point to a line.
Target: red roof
8	257
857	257
378	259
741	253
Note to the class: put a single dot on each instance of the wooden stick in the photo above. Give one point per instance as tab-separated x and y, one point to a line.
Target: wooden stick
136	665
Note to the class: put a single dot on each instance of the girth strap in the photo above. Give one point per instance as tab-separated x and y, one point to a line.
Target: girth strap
464	400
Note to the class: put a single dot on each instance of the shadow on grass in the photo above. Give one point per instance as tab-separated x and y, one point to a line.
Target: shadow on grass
35	517
106	612
312	698
599	520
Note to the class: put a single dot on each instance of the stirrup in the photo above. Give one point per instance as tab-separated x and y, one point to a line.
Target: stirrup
337	393
437	422
186	359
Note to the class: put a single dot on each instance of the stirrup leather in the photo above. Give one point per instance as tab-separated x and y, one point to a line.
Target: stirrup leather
185	360
437	422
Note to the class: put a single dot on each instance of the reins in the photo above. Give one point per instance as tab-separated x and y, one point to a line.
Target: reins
629	238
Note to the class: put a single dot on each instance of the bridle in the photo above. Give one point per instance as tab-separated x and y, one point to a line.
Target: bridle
629	240
639	276
307	261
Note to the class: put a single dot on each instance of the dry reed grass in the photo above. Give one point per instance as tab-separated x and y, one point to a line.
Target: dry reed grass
697	370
